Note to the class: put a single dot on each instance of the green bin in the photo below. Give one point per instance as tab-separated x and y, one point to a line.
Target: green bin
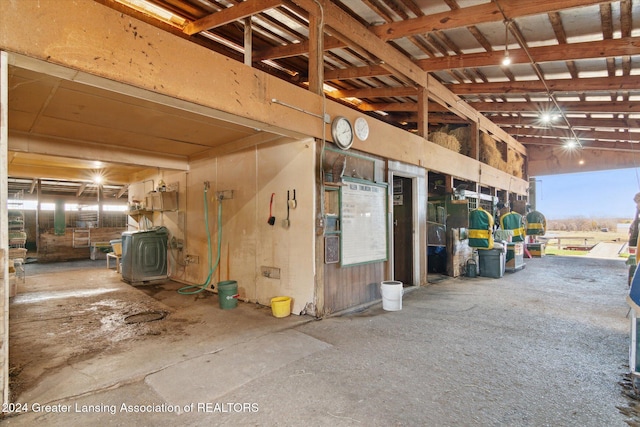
228	294
492	263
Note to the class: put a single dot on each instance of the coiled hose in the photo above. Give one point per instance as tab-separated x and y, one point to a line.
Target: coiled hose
195	289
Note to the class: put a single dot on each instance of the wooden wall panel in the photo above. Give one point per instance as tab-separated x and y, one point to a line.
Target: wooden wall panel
347	287
60	248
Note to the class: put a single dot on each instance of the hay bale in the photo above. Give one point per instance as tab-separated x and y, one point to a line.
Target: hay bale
463	135
489	152
460	141
515	163
445	140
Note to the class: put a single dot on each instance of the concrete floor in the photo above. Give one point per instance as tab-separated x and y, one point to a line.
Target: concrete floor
547	345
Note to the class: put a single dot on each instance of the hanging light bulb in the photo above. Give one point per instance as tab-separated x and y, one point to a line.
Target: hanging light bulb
571	144
507	59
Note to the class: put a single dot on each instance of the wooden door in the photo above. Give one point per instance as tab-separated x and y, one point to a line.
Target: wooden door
403	230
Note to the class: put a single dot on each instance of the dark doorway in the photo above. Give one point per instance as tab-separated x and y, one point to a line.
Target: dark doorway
403	230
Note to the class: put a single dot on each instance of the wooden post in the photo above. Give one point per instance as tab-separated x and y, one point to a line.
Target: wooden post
4	230
319	236
475	141
248	41
423	112
316	52
99	200
38	202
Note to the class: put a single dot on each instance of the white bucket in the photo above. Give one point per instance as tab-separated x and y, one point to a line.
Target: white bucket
391	292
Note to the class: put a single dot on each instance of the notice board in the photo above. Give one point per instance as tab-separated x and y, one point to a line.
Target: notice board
363	214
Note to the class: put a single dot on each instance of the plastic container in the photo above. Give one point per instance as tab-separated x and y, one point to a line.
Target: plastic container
472	268
228	294
281	306
391	292
116	245
492	263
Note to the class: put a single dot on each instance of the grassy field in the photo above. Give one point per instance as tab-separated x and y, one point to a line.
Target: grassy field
593	237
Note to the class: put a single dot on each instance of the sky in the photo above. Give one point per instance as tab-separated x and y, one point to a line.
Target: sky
604	194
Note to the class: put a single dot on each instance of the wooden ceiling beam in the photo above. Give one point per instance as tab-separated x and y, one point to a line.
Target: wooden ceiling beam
446	118
625	18
122	191
356	72
577	123
89	150
434	107
81	189
555	85
567	107
474	15
375	92
230	14
295	49
582	134
566	52
534	122
57	172
591	145
391	106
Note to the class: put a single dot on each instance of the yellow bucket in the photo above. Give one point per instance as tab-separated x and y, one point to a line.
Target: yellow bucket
281	306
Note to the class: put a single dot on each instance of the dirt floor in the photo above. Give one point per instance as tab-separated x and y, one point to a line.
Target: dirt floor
78	311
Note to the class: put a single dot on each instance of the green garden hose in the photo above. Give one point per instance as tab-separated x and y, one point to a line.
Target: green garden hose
195	289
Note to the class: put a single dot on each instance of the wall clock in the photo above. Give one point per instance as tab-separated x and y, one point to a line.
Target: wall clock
342	132
362	129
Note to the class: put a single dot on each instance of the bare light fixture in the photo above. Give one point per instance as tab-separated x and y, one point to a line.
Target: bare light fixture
575	142
97	176
546	118
506	61
572	143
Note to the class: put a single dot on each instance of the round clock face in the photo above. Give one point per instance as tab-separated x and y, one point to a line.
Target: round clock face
342	132
362	129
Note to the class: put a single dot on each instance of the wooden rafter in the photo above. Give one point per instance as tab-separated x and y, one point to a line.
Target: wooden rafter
557	85
577	123
231	14
567	107
591	145
582	134
81	189
378	92
573	51
296	49
474	15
